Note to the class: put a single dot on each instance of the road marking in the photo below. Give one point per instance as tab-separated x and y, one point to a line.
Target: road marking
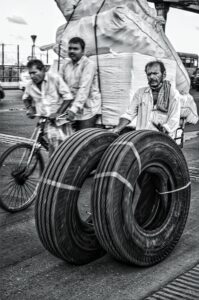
191	135
12	139
185	286
12	110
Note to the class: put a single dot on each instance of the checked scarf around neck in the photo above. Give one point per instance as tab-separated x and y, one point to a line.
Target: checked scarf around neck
163	96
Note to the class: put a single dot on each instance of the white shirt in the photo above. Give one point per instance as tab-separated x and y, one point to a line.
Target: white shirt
81	78
142	107
51	96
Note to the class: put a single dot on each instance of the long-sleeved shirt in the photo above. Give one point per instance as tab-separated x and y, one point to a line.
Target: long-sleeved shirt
51	96
143	108
81	78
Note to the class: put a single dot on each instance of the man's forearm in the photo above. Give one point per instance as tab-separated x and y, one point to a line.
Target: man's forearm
64	106
122	124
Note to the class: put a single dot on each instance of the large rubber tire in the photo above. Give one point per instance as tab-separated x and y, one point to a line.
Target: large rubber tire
60	227
17	183
133	222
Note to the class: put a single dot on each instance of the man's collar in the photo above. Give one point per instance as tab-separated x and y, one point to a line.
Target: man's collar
46	77
79	61
147	89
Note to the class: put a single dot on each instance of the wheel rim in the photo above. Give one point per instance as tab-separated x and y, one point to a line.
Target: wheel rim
19	183
152	209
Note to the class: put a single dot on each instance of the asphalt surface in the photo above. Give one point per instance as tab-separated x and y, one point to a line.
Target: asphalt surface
28	271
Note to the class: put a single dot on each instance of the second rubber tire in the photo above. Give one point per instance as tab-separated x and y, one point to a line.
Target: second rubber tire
141	197
59	225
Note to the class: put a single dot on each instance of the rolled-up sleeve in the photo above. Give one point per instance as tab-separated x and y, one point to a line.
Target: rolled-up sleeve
132	110
173	114
63	89
86	80
26	93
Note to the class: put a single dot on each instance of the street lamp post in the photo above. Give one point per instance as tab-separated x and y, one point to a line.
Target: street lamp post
33	37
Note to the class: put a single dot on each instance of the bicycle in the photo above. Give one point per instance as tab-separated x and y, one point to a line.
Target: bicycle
21	167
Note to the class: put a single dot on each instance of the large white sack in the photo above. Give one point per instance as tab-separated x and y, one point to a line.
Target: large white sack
121	30
115	75
90	7
188	108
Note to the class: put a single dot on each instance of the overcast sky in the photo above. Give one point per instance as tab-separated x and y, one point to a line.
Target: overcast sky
22	18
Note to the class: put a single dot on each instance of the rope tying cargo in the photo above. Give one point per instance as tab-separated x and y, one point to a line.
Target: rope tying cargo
96	50
60	184
176	190
59	50
96	45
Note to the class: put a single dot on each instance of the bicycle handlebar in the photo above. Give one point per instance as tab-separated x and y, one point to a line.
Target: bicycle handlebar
61	116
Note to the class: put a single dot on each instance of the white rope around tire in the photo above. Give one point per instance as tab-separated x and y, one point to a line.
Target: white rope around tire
60	185
176	190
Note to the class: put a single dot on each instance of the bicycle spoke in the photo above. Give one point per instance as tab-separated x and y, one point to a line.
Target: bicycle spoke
8	195
32	190
11	200
17	197
32	184
23	193
20	171
7	186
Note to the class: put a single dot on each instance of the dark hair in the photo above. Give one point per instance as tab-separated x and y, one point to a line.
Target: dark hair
154	62
78	40
35	62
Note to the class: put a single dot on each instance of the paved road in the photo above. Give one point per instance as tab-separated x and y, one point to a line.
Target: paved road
28	271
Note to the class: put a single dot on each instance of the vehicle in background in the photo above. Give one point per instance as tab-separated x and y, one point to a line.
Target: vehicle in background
2	93
190	61
24	79
195	79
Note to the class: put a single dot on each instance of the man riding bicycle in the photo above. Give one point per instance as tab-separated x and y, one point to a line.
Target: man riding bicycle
48	95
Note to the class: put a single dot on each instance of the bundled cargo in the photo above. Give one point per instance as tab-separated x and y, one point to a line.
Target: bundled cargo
120	30
85	8
116	85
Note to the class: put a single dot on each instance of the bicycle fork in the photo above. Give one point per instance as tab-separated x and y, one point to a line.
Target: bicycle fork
36	133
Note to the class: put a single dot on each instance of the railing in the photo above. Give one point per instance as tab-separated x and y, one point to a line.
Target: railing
10	73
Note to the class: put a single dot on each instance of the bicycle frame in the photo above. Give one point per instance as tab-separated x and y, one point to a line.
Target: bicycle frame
38	134
35	138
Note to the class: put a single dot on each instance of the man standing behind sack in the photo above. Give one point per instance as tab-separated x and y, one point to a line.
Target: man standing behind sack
81	76
157	107
47	95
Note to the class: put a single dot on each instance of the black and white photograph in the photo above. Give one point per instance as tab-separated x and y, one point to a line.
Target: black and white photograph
99	150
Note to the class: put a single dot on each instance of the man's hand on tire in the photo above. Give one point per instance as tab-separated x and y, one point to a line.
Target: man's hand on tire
116	130
162	129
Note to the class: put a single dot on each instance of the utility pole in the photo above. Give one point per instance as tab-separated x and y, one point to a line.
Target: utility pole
33	37
2	62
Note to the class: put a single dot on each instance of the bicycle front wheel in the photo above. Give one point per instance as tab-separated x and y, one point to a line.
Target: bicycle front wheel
19	177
